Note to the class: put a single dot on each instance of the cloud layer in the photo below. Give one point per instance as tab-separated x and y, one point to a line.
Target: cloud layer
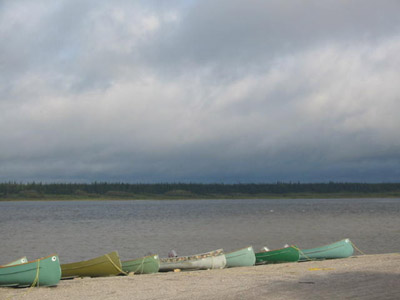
199	91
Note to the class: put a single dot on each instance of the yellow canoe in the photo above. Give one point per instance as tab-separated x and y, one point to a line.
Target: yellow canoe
105	265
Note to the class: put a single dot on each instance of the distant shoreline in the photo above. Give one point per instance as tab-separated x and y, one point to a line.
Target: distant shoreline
12	191
199	197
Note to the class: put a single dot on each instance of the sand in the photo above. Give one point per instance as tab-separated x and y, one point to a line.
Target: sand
359	277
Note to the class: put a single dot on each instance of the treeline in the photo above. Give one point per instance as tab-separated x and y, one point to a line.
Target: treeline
13	190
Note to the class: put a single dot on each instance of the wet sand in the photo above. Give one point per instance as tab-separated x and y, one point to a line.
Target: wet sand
359	277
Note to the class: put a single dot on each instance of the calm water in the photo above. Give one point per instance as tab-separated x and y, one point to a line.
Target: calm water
79	230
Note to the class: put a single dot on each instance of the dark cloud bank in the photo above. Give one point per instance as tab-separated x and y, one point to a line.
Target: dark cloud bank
200	91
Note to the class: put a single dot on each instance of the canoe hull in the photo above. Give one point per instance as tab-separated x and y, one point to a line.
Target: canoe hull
240	258
43	272
340	249
210	260
289	254
145	265
102	266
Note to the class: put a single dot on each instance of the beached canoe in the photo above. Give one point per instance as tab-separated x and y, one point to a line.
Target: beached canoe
105	265
210	260
145	265
341	249
240	258
18	261
289	254
44	271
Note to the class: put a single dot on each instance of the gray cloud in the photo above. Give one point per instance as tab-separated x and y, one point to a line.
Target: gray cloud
245	32
231	91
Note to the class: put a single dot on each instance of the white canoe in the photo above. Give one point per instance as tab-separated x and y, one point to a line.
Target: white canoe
205	261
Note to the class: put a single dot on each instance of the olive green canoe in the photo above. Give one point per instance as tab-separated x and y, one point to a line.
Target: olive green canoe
105	265
340	249
44	271
210	260
240	258
145	265
18	261
289	254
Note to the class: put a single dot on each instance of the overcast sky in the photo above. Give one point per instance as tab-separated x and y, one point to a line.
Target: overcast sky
200	91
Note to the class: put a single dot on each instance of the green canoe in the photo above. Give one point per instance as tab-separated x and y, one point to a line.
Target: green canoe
240	258
18	261
289	254
105	265
40	272
145	265
341	249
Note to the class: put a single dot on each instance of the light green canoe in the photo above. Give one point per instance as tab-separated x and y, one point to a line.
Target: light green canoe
44	271
289	254
18	261
145	265
341	249
240	258
105	265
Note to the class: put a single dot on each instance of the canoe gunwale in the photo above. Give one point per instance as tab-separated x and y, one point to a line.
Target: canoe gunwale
32	261
291	246
90	262
140	258
230	252
86	265
16	262
320	250
346	240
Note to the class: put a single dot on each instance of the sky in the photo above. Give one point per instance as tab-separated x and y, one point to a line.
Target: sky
203	91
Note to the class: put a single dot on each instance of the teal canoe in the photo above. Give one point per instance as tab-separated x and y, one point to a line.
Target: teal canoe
40	272
145	265
341	249
18	261
240	258
289	254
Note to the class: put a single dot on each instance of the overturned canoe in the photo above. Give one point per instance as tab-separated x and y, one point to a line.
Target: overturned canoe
18	261
40	272
145	265
341	249
289	254
210	260
240	258
105	265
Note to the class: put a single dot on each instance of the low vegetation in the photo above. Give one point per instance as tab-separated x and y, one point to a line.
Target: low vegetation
104	190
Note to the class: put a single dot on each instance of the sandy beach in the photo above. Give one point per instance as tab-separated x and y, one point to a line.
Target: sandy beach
358	277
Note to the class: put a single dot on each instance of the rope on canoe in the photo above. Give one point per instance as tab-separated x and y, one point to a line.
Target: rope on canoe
118	268
35	281
37	274
302	253
355	247
140	266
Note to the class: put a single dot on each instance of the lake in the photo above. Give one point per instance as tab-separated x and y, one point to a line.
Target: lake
79	230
